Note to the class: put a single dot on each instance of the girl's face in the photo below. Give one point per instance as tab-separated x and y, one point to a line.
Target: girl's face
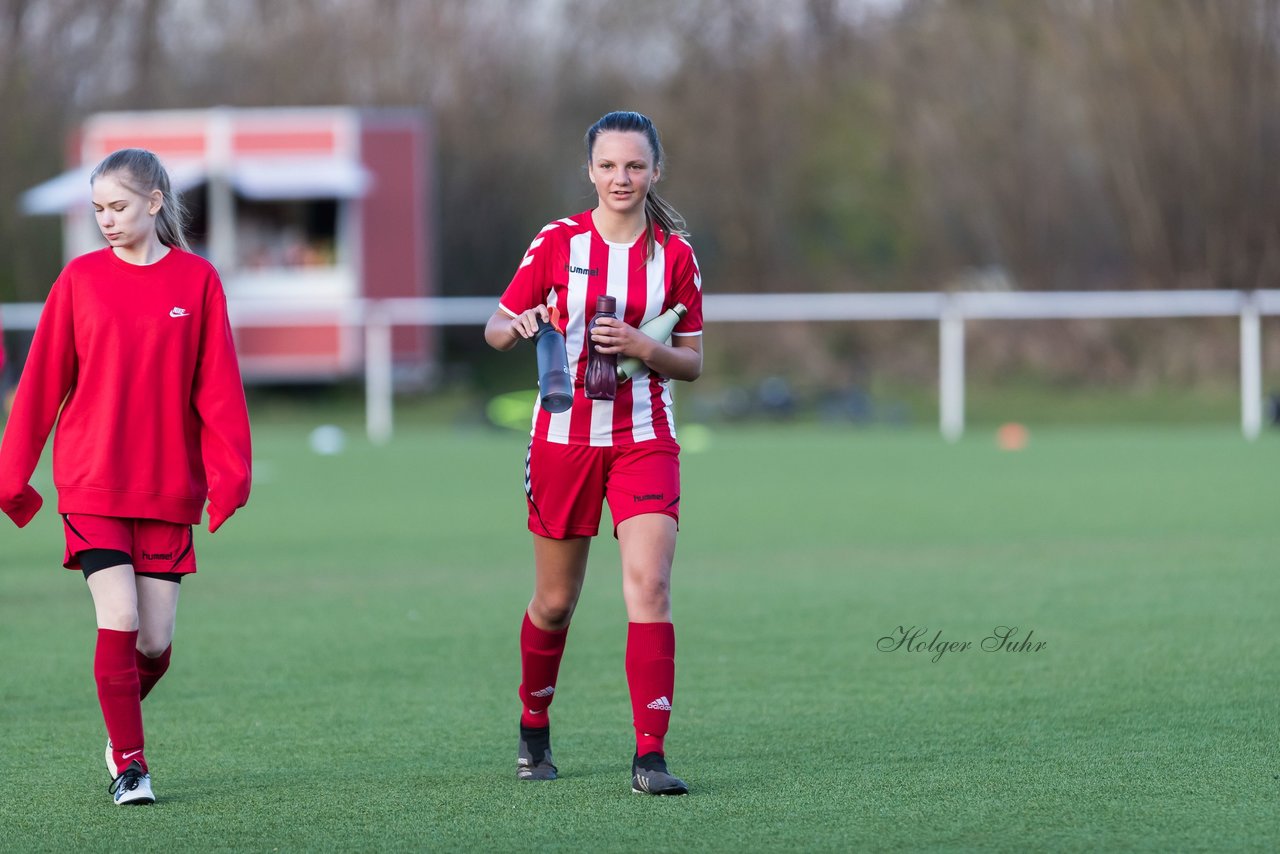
126	218
623	170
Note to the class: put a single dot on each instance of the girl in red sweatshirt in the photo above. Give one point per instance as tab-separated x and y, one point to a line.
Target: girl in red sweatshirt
134	361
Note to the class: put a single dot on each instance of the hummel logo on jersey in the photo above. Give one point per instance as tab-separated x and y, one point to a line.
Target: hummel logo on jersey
545	692
582	271
157	556
178	312
662	704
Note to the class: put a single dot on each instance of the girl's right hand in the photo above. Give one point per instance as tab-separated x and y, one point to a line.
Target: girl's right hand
525	324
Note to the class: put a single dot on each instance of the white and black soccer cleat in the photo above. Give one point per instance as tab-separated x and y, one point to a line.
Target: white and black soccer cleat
649	776
533	757
133	786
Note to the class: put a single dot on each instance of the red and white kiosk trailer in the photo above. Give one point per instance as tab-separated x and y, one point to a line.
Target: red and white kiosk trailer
306	212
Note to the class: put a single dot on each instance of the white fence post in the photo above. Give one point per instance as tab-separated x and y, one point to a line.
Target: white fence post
1250	367
951	370
377	373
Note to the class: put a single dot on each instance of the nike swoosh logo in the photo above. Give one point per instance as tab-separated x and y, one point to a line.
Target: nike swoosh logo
178	312
131	753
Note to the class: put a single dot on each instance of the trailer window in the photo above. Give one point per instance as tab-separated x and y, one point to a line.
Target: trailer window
286	234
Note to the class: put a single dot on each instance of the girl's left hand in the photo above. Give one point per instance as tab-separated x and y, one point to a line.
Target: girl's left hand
614	336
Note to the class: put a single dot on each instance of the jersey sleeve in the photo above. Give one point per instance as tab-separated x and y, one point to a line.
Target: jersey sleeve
533	279
47	377
218	398
686	287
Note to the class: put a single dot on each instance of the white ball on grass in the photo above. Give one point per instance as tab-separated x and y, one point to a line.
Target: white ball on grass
327	440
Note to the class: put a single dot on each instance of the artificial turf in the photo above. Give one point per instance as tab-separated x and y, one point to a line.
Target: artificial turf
345	667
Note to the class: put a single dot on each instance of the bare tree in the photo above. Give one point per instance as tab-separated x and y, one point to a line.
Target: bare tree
812	144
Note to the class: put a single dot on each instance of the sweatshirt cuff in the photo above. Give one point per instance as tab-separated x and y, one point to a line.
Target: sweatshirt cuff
217	517
24	507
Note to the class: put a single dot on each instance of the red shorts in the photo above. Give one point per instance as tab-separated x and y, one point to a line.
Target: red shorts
566	485
154	545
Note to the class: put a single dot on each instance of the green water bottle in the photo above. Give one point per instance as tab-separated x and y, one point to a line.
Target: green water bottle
659	329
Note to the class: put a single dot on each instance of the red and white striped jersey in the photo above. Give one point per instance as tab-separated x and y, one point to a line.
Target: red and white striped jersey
568	266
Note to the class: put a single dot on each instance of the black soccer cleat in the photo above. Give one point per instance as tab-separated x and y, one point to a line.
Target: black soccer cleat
533	757
649	776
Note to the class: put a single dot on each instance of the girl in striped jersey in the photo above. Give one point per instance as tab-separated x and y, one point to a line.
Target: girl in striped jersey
623	451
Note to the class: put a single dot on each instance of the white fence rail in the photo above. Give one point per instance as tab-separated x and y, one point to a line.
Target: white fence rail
949	310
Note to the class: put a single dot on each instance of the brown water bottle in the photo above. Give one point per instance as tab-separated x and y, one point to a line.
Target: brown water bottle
602	368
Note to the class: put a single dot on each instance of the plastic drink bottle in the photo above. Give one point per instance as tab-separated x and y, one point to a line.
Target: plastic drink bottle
602	368
554	381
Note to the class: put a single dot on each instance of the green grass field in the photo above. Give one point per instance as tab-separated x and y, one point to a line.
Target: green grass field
345	665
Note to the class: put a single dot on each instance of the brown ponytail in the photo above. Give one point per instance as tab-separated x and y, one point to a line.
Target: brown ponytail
659	213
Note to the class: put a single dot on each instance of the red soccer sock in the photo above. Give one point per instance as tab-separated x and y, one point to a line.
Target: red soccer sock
651	676
116	672
150	670
540	654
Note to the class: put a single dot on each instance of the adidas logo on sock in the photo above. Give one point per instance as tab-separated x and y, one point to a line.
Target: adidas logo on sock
545	692
662	704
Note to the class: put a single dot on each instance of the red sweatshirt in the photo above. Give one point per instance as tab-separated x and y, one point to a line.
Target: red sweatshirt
140	361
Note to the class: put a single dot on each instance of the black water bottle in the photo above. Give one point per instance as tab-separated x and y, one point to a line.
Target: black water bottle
602	369
554	381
